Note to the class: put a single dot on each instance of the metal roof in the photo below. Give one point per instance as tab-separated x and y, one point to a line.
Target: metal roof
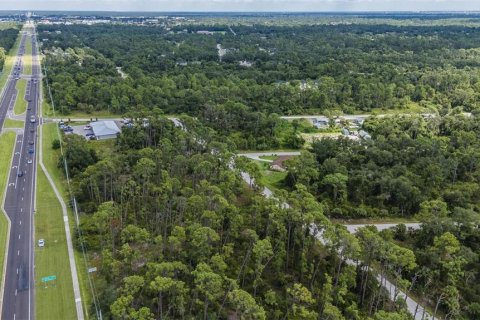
105	128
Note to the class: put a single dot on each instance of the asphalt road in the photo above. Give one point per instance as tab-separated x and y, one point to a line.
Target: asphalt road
18	299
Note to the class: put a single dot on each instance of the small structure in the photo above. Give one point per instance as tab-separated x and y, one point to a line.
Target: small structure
106	129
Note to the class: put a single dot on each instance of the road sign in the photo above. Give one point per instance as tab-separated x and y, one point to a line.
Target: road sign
49	278
92	269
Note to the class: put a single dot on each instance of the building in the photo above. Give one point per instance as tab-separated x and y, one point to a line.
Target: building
107	129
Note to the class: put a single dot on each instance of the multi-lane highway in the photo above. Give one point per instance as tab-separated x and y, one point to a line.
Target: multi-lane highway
18	297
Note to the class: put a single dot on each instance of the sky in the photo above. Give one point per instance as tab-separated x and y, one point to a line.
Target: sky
242	5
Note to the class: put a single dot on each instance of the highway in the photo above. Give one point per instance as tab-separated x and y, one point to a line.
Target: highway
18	298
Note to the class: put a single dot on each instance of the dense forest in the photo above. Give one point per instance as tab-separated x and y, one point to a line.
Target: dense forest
176	233
259	72
428	168
7	40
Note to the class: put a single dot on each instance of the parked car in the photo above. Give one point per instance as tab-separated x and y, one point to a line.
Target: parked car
89	134
41	243
87	128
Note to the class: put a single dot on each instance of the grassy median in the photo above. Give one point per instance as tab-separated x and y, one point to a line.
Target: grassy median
7	144
55	300
27	57
20	102
15	124
50	160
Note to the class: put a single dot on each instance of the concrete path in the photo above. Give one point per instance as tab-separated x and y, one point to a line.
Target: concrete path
71	257
257	155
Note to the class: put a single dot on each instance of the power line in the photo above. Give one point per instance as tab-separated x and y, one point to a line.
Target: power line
96	302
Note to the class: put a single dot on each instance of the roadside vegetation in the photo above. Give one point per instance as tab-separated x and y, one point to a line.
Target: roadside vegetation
9	44
53	300
51	158
7	144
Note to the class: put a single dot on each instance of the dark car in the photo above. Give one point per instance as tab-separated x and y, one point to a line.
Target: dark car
30	143
20	173
31	150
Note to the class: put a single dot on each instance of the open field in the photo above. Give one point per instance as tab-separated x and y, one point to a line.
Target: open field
56	300
7	143
20	102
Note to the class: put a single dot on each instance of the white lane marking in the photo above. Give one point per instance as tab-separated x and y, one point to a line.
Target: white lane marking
22	198
15	295
21	209
23	189
20	222
18	237
17	270
18	252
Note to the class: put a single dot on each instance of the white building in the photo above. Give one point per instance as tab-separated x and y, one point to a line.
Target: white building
106	129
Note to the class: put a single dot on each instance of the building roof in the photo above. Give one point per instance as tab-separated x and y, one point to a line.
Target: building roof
105	128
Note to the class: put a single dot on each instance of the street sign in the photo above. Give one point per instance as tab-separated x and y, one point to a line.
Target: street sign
49	278
92	269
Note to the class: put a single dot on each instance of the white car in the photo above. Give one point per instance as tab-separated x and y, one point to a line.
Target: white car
87	128
29	161
41	243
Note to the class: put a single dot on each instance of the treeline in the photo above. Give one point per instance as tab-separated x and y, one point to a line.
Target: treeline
410	160
176	233
7	40
426	168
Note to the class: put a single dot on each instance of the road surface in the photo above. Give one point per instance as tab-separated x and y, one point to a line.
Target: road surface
257	155
19	290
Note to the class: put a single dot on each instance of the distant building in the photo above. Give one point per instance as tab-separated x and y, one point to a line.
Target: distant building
107	129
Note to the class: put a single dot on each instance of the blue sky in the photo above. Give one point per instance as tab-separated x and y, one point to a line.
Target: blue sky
243	5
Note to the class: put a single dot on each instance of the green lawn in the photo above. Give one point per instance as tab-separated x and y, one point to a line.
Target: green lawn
56	301
50	160
27	57
271	179
7	144
9	62
20	102
16	124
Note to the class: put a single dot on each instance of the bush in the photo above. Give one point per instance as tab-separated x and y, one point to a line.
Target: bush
55	144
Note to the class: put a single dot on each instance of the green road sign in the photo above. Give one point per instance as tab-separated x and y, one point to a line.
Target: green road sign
49	278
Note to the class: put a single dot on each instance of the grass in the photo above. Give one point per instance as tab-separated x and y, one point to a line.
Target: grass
50	160
273	158
84	115
20	102
271	179
7	143
13	124
27	57
57	300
